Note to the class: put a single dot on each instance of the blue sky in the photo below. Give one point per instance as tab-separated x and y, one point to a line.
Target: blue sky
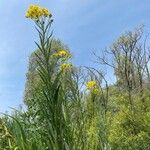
85	25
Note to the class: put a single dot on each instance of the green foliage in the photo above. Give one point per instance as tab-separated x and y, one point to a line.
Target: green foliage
33	82
63	115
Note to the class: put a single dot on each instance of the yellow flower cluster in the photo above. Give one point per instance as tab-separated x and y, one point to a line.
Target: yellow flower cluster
93	87
35	12
96	91
91	84
62	54
66	67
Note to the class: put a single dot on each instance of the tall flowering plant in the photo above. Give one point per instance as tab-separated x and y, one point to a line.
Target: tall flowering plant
51	104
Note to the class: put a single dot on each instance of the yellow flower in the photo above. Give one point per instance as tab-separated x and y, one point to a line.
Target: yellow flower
93	87
95	91
45	12
62	54
65	67
35	12
91	84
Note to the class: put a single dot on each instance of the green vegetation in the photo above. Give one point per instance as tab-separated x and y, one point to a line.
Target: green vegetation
70	108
